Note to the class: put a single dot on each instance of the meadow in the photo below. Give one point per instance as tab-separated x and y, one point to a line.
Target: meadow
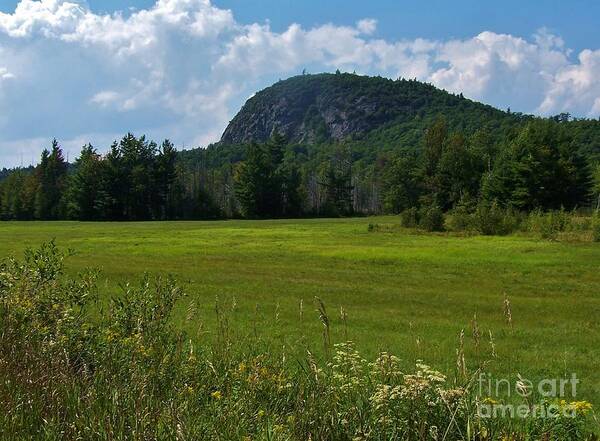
400	291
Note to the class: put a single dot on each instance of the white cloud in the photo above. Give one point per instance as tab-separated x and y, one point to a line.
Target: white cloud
105	98
367	26
5	74
575	88
182	68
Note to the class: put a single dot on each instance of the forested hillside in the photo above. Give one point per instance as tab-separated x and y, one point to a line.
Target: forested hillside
326	145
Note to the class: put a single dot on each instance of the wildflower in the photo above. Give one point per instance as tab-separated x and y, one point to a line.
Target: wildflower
384	394
579	407
387	365
260	413
217	395
242	367
450	396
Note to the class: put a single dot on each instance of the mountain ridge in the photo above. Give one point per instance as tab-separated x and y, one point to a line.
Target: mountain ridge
320	108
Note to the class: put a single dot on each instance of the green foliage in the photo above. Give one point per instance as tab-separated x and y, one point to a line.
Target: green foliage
458	173
51	178
336	181
410	217
266	186
432	218
548	224
17	195
83	191
540	169
596	228
596	186
402	184
352	145
460	218
493	220
129	374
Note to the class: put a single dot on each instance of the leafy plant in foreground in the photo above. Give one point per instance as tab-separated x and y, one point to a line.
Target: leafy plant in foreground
68	373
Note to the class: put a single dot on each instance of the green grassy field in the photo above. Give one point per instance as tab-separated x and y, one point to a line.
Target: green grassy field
408	293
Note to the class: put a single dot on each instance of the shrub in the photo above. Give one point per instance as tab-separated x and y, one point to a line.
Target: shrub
491	219
460	219
410	218
548	225
432	219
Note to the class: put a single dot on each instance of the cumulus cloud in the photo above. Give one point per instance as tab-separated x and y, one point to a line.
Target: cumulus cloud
182	68
367	26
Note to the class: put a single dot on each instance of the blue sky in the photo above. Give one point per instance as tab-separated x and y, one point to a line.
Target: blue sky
575	21
74	70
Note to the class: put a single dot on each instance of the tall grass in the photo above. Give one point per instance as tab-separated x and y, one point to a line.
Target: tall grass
490	219
68	373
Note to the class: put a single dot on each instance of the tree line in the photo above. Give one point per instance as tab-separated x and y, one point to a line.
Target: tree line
539	166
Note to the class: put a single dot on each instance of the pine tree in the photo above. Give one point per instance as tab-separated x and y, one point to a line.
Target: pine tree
336	179
250	180
166	199
85	186
260	179
51	174
540	169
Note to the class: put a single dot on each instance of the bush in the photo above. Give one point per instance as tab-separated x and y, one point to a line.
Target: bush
410	218
548	225
460	219
493	220
432	219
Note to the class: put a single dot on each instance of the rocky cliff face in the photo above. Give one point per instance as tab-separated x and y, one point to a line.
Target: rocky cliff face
327	107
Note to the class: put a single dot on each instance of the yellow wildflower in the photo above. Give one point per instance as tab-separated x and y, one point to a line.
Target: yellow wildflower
581	406
217	395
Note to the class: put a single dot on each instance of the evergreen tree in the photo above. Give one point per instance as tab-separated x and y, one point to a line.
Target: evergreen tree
539	169
250	180
336	178
260	179
51	175
434	140
166	200
85	186
138	157
112	193
17	195
293	204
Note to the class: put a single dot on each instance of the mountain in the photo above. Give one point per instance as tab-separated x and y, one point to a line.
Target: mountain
310	109
373	116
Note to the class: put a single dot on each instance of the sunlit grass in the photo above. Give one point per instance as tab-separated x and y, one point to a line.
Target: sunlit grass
408	293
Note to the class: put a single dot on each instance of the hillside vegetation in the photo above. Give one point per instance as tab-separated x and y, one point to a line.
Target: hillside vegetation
327	145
